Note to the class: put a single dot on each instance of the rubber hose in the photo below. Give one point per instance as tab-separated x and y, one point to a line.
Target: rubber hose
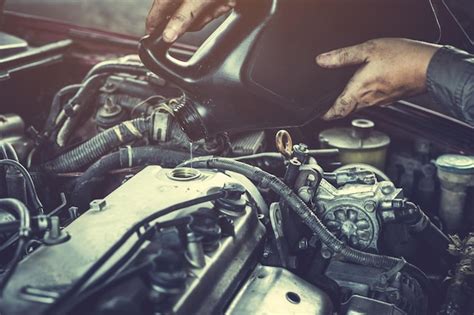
57	104
125	157
80	102
99	145
117	67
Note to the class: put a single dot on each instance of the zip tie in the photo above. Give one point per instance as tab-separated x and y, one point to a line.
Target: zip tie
118	133
130	155
132	129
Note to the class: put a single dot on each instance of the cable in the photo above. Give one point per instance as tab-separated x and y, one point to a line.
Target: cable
105	278
56	107
107	284
8	151
30	186
76	287
77	105
23	233
116	66
11	151
12	265
12	240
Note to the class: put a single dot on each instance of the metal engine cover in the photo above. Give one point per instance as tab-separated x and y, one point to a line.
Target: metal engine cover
40	276
275	290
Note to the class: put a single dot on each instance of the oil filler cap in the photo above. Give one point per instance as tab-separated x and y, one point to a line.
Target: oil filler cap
456	163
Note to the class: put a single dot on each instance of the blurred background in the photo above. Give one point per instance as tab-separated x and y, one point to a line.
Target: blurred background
119	16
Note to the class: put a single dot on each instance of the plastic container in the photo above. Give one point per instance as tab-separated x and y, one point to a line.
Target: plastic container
258	70
360	143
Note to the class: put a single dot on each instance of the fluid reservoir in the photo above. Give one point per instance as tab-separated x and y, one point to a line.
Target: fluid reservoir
360	143
456	175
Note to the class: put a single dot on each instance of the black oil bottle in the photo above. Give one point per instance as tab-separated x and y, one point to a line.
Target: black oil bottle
258	70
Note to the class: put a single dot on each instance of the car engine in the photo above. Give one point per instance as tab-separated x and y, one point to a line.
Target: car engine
107	208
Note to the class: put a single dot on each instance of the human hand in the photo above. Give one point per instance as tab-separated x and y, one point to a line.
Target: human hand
183	15
390	69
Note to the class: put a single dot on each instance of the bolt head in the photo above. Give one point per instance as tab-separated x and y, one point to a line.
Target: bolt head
98	204
370	206
388	189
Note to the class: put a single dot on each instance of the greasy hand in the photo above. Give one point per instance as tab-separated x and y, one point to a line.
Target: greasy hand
390	69
184	15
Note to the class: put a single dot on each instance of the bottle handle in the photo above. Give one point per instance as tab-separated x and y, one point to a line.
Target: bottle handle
154	51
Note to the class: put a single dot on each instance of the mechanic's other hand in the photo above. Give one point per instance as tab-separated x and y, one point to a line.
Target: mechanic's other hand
391	68
183	15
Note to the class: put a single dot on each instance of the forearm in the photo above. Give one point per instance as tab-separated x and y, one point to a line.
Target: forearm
450	80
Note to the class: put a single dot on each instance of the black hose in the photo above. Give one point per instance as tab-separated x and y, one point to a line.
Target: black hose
421	226
79	283
319	153
108	67
30	186
56	106
125	157
100	145
77	105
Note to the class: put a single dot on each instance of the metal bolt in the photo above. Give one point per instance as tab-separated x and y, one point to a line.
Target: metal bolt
326	253
55	230
73	213
305	194
387	189
370	206
266	253
195	251
98	204
303	244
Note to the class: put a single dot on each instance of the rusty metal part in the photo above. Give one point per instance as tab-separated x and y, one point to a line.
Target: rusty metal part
284	143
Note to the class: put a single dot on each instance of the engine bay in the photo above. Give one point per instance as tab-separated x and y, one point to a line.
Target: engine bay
106	207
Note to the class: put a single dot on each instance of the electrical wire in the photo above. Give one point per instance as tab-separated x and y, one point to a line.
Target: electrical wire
55	308
30	186
127	274
23	234
107	277
12	265
8	151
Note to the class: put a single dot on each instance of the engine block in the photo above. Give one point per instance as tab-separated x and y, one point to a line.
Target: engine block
46	272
